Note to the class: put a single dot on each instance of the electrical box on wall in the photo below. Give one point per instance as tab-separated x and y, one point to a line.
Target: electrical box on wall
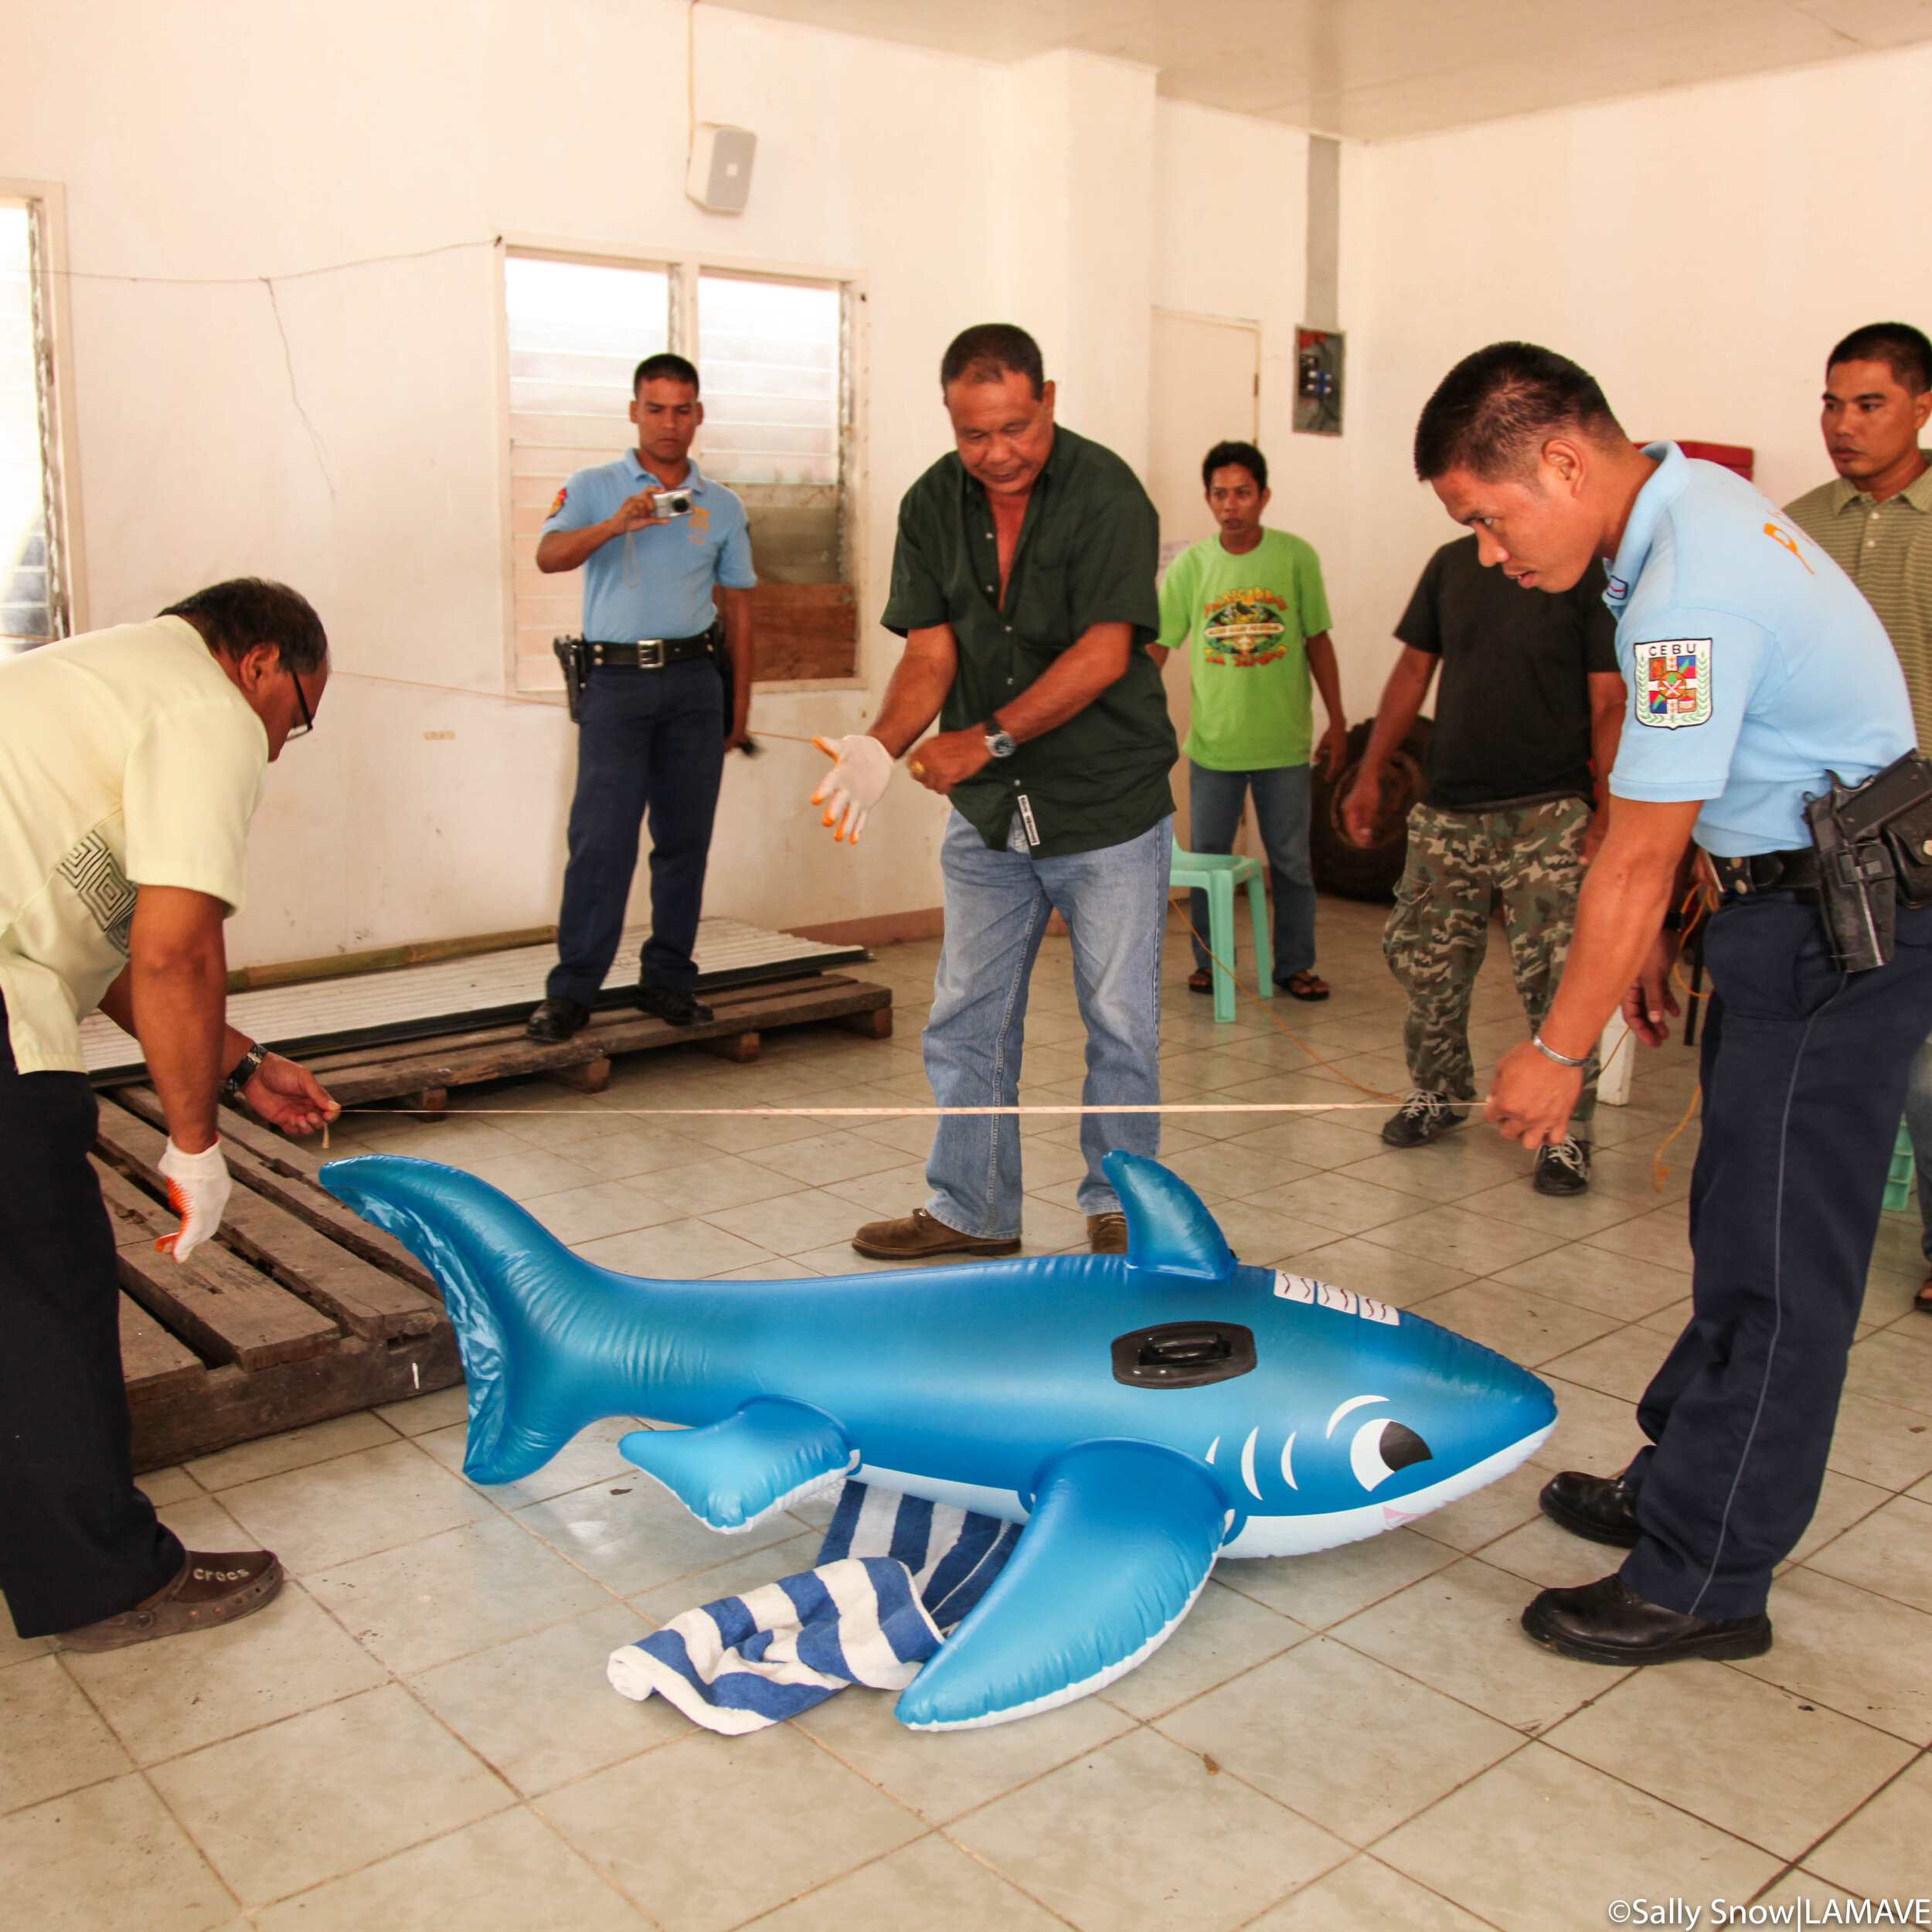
720	178
1318	381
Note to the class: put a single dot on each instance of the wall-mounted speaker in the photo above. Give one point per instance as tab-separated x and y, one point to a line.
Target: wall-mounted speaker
720	174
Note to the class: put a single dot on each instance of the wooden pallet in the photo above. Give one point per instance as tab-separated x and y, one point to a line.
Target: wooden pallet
298	1311
420	1073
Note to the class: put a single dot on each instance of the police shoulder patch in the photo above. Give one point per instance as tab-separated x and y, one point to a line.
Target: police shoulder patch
1672	681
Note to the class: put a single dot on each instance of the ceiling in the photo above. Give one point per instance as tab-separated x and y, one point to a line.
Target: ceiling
1377	70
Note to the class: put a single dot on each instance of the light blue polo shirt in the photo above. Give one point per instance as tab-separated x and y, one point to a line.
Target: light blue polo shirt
654	583
1753	662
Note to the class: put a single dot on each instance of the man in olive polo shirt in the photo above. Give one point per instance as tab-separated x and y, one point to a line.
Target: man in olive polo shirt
1875	522
1023	585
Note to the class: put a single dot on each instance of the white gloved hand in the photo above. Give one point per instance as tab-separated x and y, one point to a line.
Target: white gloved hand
855	784
198	1187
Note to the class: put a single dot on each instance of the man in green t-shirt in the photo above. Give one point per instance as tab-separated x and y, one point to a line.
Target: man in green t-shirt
1249	605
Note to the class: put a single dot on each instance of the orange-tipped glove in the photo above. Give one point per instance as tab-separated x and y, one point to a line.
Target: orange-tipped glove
198	1187
855	784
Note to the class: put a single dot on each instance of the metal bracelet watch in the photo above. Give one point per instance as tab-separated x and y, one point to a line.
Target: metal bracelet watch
243	1071
1001	743
1550	1052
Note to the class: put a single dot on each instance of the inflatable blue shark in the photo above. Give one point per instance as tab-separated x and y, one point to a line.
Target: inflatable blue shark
1143	1415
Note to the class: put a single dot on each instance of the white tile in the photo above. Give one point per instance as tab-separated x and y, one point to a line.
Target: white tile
929	1884
55	1740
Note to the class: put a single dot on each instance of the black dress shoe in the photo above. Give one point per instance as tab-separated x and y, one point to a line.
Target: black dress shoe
1599	1508
1606	1622
557	1019
680	1009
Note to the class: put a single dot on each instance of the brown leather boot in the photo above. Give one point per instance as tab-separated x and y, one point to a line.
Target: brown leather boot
209	1590
1106	1233
919	1236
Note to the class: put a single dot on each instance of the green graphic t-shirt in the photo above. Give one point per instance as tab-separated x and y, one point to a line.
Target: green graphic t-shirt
1249	619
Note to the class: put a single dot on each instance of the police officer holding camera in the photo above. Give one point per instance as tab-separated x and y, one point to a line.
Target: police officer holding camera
1758	679
663	549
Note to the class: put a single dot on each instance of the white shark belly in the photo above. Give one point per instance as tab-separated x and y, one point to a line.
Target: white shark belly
1302	1536
1260	1535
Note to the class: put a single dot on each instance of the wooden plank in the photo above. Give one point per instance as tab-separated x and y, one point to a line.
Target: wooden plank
588	1076
152	1361
804	631
267	1164
362	1298
229	1406
875	1024
222	1308
506	1052
740	1047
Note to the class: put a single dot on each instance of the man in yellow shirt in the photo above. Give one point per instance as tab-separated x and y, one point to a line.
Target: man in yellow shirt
130	761
1875	522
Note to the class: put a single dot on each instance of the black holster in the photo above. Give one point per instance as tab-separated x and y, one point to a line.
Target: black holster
1874	843
574	654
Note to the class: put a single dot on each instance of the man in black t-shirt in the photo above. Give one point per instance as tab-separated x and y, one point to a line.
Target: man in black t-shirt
1530	696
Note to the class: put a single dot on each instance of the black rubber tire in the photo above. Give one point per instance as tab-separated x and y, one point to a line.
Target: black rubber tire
1372	871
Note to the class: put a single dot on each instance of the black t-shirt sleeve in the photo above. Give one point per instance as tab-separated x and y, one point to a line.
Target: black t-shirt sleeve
1421	625
917	599
1599	626
1110	572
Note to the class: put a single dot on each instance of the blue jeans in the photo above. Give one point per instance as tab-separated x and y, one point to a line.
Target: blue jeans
1114	901
649	740
1281	810
1918	1123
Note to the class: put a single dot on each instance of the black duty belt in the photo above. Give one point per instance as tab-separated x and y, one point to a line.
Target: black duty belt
647	653
1767	871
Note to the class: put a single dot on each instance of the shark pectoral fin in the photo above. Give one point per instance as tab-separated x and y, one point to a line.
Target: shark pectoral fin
1168	1230
732	1474
1121	1539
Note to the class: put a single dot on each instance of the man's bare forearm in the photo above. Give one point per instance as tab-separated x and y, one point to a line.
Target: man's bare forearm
1097	659
917	691
1402	694
737	630
559	550
1326	673
1620	911
176	991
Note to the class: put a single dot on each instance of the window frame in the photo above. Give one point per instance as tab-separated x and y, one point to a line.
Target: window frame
46	202
683	266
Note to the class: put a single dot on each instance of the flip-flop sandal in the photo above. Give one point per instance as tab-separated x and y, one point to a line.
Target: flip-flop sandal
1305	986
1200	982
1922	1300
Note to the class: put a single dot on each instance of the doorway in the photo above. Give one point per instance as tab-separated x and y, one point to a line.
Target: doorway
1205	375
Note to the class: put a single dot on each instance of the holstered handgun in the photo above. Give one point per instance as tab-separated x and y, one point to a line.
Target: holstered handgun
1874	843
574	654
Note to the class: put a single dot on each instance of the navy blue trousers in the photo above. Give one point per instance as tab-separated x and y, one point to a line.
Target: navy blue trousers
1804	1075
649	741
78	1541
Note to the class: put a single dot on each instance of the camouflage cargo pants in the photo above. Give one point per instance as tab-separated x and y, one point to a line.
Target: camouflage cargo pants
1529	859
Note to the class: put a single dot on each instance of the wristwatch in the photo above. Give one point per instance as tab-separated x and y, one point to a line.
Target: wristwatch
1000	743
244	1070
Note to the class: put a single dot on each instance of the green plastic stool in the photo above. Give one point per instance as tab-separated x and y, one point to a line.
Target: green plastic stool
1217	874
1898	1183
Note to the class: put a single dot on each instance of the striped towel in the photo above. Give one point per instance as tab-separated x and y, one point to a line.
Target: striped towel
894	1574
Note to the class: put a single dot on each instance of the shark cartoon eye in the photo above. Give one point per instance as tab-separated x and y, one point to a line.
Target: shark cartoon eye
1383	1446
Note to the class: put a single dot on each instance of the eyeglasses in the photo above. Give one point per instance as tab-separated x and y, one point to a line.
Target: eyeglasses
308	717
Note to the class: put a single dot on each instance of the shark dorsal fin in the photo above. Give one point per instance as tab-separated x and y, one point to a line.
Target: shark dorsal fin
1168	1230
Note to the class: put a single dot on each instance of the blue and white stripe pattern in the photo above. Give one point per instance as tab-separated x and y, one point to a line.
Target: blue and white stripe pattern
894	1574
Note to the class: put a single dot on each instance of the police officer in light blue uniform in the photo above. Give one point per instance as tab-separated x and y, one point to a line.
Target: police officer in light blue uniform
1754	668
652	732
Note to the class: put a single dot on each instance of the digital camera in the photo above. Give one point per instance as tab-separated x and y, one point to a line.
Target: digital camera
672	502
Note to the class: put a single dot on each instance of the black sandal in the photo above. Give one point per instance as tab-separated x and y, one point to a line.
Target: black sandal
1305	985
1922	1300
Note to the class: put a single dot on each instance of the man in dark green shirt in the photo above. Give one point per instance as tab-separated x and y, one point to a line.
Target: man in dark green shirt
1023	584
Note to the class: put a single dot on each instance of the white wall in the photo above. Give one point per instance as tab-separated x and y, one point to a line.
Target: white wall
1700	252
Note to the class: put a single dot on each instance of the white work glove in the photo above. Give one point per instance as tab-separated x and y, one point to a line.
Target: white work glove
854	785
197	1187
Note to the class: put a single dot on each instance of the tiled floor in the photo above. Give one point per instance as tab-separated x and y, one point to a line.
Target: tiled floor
418	1734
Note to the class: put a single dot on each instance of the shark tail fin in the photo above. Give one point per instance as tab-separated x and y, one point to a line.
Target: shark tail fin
519	1300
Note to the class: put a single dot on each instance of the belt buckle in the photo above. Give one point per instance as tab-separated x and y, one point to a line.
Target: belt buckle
650	654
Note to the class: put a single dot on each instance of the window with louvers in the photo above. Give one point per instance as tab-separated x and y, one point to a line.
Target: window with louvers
32	606
771	354
576	331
